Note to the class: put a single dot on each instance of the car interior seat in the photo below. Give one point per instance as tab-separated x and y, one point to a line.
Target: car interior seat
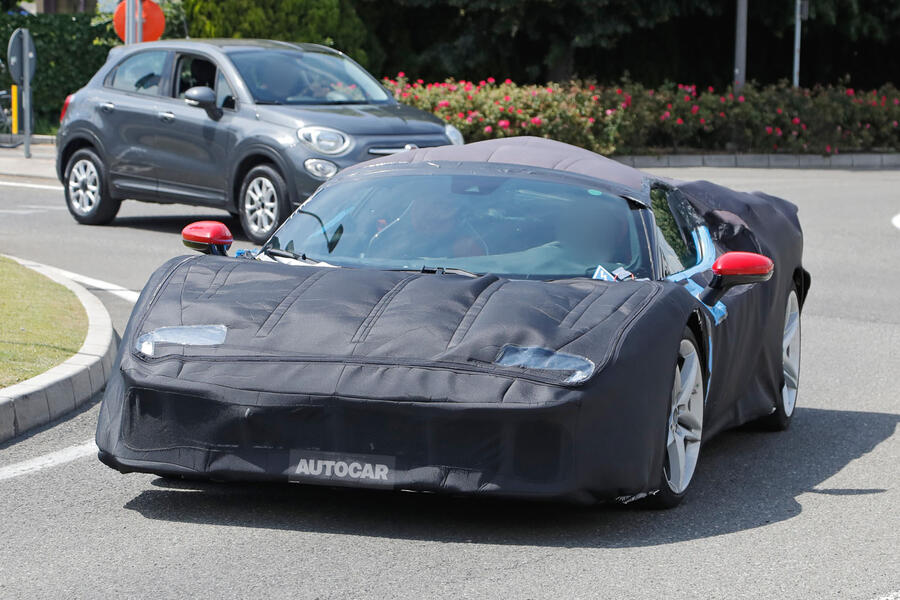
201	73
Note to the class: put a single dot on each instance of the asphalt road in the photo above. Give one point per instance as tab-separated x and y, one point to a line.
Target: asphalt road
810	513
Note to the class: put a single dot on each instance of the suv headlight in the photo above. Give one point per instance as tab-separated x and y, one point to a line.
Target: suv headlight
324	140
453	134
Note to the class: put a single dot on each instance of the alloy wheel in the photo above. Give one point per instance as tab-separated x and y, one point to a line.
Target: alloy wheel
685	425
790	345
84	187
261	205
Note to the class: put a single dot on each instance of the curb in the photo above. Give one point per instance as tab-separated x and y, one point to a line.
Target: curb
870	161
36	138
65	387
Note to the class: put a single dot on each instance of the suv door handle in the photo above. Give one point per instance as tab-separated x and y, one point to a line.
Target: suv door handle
166	117
107	107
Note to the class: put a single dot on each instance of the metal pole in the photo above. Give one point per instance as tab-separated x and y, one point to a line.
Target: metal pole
797	21
129	22
138	21
740	46
26	90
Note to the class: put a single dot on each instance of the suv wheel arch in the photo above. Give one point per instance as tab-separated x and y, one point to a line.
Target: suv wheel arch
255	158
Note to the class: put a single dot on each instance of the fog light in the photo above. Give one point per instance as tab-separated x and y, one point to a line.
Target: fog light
320	168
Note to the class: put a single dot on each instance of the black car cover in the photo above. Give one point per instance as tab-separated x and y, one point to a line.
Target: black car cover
241	369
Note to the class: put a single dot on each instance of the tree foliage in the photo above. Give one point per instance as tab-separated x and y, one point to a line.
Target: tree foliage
652	40
330	22
70	49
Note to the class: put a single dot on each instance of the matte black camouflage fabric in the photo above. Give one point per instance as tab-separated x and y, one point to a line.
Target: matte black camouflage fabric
384	379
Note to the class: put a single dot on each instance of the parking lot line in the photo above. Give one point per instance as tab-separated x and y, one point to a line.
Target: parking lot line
896	221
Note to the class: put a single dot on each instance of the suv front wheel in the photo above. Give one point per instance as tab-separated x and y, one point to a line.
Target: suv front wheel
263	203
86	191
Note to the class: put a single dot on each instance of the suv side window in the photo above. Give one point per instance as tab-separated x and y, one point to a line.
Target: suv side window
140	74
675	220
193	71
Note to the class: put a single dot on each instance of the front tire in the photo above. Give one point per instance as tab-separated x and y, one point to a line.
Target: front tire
786	402
263	203
86	189
684	425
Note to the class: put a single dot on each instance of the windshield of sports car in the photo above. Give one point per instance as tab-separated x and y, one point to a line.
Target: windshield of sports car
523	227
305	77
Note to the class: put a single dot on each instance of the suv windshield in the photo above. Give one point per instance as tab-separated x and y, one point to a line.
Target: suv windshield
305	77
517	226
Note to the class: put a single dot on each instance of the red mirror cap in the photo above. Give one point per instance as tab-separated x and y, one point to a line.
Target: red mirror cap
743	263
207	232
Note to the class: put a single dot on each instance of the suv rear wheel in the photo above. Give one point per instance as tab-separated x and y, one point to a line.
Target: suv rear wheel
87	195
263	203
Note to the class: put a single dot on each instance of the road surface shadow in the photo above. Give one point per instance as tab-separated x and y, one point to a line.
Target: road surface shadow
745	479
175	223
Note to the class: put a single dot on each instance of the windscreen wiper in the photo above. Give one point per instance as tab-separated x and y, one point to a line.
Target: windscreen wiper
272	252
449	270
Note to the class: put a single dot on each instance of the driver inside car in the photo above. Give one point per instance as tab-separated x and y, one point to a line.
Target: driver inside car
277	83
432	228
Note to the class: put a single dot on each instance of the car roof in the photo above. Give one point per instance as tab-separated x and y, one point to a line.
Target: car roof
526	151
234	44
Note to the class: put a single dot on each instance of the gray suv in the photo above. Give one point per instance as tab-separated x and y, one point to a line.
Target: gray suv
249	126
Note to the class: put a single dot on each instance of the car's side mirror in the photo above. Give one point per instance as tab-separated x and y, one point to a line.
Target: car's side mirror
736	268
203	97
208	237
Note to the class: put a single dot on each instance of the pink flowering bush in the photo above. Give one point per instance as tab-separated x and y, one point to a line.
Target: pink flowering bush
630	118
493	109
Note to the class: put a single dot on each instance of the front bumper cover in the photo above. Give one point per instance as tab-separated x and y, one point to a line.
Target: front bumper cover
522	451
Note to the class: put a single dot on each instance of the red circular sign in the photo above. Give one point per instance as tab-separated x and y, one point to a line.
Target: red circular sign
154	21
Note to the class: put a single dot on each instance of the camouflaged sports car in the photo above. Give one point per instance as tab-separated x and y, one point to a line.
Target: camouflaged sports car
516	317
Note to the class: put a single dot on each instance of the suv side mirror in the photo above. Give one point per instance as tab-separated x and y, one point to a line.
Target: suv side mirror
208	237
203	97
736	268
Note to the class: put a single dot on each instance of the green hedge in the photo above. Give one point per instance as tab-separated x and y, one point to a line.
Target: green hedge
633	119
70	49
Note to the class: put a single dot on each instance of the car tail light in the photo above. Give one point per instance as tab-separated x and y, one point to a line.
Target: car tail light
62	115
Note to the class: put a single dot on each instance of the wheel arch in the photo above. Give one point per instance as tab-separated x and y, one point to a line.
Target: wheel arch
802	280
698	327
73	145
254	158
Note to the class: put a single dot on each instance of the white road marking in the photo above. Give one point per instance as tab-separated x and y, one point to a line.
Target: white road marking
896	221
43	206
46	461
31	186
90	283
895	595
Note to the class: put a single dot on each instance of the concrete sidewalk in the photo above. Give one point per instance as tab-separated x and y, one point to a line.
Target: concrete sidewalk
41	165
